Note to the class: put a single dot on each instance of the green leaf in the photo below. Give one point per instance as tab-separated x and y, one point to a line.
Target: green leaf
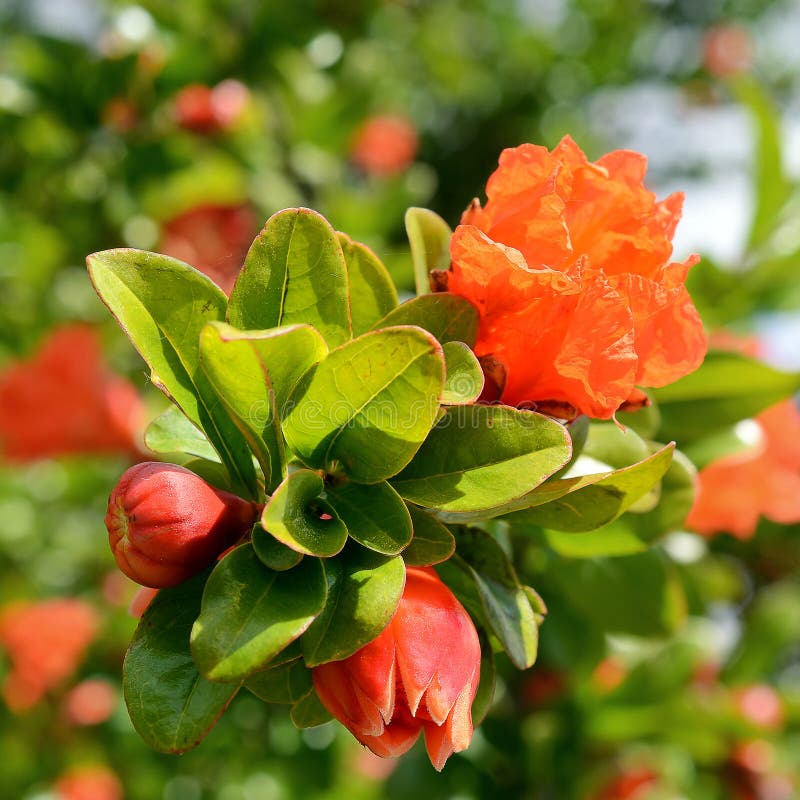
295	272
162	304
271	552
250	613
171	432
449	317
308	712
614	539
363	591
432	542
727	387
293	516
212	472
429	237
170	704
463	381
287	683
368	406
372	293
638	594
375	516
479	457
242	384
504	600
772	187
589	501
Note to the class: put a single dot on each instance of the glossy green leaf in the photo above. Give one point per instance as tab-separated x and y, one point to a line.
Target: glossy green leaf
479	457
242	384
372	292
614	539
449	317
250	613
286	683
295	272
432	542
272	553
727	387
505	601
587	502
297	516
211	472
463	381
375	515
366	409
637	594
170	704
308	712
163	304
429	237
172	432
364	588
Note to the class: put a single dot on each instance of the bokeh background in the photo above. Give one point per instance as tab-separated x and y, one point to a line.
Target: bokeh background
181	127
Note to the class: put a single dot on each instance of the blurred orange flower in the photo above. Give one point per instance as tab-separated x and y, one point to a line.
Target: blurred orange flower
200	108
728	50
568	265
64	400
384	145
734	491
46	642
212	238
90	702
93	782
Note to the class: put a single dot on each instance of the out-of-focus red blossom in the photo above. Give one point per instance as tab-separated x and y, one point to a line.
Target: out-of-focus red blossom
165	523
542	686
609	674
760	705
65	401
727	50
202	109
46	642
212	238
93	782
90	702
724	339
755	755
141	601
384	145
569	267
634	784
419	675
120	115
734	491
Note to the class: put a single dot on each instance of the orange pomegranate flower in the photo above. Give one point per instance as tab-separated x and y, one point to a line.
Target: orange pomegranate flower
46	642
419	675
89	782
569	267
65	401
384	145
212	238
734	491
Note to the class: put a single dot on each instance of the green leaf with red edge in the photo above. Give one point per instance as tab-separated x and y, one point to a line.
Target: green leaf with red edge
449	317
272	553
481	457
366	408
372	292
250	613
308	712
294	516
429	237
170	704
163	304
294	272
364	589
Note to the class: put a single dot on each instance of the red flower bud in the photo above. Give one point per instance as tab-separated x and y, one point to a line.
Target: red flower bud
165	523
420	674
